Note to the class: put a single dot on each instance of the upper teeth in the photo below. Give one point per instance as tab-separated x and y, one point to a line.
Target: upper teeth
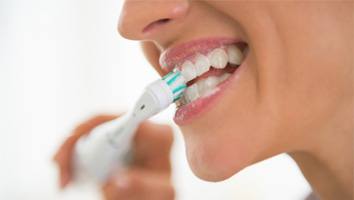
188	70
217	58
202	64
235	55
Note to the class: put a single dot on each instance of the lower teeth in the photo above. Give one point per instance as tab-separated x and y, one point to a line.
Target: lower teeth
202	88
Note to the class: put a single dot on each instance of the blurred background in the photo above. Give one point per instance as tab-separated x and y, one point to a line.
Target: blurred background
62	62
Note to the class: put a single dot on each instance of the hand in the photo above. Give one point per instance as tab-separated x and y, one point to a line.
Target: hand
148	176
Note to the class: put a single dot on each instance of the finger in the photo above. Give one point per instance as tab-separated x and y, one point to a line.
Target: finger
64	155
138	184
62	158
152	146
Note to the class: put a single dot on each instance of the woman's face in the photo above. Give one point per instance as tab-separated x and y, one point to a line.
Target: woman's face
294	77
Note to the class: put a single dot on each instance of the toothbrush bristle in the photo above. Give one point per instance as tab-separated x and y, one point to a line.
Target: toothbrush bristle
176	83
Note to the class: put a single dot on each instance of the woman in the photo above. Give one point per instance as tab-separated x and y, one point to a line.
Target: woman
265	78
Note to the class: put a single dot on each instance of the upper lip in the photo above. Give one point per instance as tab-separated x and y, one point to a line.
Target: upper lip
176	55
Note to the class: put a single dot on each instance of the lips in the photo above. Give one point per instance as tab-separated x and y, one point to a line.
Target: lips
174	56
209	66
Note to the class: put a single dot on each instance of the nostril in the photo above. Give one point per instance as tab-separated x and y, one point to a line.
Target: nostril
163	20
155	24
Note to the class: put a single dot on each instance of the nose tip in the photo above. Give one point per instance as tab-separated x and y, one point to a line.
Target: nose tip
139	18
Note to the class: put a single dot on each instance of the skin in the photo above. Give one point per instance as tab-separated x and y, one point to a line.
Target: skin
295	93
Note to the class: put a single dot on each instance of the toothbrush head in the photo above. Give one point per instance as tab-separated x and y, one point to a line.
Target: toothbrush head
167	90
176	83
159	95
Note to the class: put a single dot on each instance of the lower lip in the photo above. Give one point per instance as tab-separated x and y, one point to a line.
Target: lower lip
187	113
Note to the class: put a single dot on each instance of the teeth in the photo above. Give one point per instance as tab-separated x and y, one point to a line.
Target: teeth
202	88
224	77
192	93
235	55
207	84
188	71
202	64
218	58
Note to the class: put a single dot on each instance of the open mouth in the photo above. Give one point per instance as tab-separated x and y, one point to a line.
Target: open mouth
208	65
204	73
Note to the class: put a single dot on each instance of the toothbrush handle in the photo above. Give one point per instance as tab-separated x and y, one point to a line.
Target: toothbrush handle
108	145
106	148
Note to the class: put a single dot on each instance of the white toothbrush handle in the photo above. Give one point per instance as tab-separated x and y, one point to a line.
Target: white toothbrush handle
98	154
108	145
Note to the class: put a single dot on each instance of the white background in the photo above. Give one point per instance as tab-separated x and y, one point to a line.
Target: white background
63	61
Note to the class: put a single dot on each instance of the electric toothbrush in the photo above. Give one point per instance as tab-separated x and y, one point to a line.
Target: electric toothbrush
108	146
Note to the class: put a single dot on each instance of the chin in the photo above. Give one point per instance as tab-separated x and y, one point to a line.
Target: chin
213	162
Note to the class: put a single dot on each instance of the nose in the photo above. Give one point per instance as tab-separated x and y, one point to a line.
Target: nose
145	19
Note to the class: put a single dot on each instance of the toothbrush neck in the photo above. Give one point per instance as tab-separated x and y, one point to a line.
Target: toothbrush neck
134	117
